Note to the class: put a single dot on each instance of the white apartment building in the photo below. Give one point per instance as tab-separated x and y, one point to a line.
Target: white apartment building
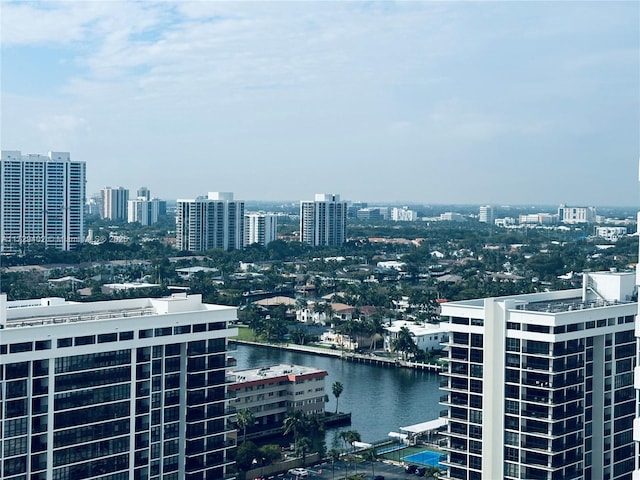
119	390
487	214
144	211
576	215
611	233
403	214
260	228
271	392
214	221
114	203
540	386
323	221
42	200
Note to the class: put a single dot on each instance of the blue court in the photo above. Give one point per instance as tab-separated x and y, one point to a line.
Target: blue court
426	458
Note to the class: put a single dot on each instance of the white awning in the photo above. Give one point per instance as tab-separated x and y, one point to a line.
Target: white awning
425	426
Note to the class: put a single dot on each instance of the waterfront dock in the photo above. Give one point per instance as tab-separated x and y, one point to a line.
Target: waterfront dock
367	358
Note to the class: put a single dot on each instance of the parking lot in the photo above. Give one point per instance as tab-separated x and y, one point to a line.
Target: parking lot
341	469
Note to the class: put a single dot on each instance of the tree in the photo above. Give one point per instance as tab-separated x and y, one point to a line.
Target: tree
372	456
334	456
404	343
246	452
244	418
294	423
337	389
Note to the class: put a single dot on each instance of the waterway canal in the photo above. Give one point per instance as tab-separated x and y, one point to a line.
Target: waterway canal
380	399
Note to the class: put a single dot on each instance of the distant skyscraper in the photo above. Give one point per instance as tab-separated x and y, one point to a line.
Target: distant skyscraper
215	221
114	203
42	200
144	209
487	214
541	385
144	193
260	228
324	220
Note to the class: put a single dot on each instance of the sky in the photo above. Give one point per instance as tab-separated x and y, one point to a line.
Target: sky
422	102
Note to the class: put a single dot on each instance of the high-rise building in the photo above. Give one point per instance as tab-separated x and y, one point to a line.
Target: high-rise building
576	215
487	214
215	221
323	221
260	228
144	209
121	389
144	193
42	200
540	386
114	203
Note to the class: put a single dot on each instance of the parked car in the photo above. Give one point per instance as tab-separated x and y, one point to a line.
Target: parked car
420	471
298	472
410	468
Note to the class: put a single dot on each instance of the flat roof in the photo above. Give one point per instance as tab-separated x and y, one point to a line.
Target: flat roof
272	371
425	426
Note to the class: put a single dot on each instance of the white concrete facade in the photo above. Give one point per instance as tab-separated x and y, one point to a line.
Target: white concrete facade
323	221
487	214
427	336
260	228
42	200
144	211
403	214
540	386
114	203
215	221
576	215
120	389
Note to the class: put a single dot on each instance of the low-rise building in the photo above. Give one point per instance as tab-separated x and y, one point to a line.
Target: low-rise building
611	233
427	336
270	393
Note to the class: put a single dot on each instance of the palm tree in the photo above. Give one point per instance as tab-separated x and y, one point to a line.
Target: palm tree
244	418
404	343
372	456
295	422
337	389
334	455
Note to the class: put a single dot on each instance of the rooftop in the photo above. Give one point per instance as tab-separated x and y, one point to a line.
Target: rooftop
273	371
49	311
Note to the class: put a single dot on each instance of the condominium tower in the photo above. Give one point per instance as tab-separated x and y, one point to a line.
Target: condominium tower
487	214
540	386
118	390
144	209
323	221
42	200
114	203
260	228
215	221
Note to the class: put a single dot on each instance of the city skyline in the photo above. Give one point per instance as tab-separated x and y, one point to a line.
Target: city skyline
416	102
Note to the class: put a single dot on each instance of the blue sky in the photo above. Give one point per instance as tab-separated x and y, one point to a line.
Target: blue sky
410	101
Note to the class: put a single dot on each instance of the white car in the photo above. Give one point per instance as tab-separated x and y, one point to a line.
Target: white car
298	472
